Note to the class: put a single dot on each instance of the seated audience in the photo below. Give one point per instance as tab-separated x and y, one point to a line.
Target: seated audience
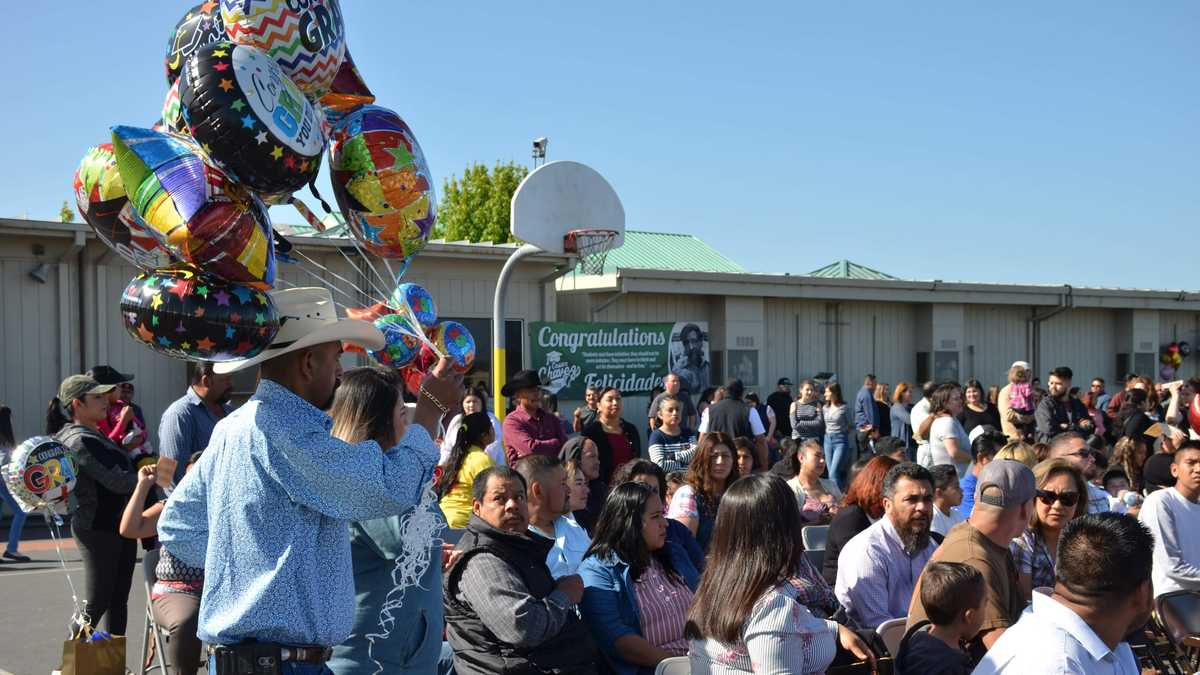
985	443
743	449
711	471
674	482
616	439
504	612
816	497
577	486
649	474
1060	490
1002	506
467	459
862	505
582	451
549	513
474	401
1019	451
1101	595
637	583
671	445
1115	482
748	616
879	567
952	595
1173	517
1072	447
947	495
890	446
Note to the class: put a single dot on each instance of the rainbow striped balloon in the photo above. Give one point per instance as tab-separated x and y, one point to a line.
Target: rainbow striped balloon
307	39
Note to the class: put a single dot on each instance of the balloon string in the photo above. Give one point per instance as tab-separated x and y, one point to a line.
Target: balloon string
53	521
407	312
367	277
312	187
387	283
291	284
337	276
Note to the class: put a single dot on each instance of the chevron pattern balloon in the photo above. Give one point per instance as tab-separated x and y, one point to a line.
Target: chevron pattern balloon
306	39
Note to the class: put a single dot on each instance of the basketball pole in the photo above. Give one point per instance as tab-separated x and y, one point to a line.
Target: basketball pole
499	348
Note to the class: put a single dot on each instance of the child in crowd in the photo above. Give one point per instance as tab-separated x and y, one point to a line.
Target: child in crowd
1020	394
947	496
671	446
674	481
953	595
744	447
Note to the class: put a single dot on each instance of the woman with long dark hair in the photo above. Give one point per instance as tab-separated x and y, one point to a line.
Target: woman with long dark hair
368	406
637	583
104	481
466	460
862	505
651	475
616	439
711	471
748	614
948	442
837	434
475	401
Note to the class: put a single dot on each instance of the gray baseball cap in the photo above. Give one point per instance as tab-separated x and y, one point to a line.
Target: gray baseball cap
77	386
1005	483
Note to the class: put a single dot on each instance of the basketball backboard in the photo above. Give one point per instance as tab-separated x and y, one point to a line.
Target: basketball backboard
561	196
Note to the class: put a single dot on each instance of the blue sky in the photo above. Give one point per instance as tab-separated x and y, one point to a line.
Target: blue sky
1049	142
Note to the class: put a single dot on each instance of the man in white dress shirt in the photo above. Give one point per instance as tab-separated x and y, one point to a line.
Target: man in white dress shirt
1101	594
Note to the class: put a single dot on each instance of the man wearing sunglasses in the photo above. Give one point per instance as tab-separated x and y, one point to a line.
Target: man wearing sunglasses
1173	516
1071	446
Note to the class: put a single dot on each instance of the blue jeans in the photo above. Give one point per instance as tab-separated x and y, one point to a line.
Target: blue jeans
837	452
18	521
287	668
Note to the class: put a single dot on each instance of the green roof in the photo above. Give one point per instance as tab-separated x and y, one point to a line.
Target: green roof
844	269
667	251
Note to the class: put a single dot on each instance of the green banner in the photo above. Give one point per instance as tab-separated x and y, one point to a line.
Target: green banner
632	357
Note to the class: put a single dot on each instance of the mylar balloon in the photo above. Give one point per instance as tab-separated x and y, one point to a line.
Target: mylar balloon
381	181
454	340
400	344
370	313
418	300
412	376
348	90
172	113
201	26
40	473
1194	414
250	118
101	200
195	210
307	38
188	314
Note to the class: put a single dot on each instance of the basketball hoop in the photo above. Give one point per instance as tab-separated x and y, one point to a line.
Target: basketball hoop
592	246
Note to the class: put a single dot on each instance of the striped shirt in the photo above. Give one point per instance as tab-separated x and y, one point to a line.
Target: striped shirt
672	453
662	609
779	636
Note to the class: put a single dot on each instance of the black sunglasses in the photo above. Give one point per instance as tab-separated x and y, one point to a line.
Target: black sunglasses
1067	499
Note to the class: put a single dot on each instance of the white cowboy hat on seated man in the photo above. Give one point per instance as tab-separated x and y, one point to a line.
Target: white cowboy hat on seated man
307	317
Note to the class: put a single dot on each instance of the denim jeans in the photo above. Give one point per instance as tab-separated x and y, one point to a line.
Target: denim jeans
837	450
286	668
18	521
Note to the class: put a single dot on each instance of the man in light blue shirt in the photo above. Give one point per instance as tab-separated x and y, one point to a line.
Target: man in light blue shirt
266	509
1101	594
879	567
866	417
188	423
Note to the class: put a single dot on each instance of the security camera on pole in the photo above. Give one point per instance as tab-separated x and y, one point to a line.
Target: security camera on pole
560	207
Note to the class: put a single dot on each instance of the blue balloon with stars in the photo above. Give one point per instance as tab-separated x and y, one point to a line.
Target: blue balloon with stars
250	118
401	346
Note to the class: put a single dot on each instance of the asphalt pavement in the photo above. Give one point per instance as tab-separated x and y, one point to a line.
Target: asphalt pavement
36	602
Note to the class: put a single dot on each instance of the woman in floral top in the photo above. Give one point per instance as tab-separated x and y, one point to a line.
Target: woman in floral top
750	614
1061	498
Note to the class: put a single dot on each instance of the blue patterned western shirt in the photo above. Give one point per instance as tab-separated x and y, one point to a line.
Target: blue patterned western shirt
266	512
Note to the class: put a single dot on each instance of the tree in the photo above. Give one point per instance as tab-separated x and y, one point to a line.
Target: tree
65	214
475	207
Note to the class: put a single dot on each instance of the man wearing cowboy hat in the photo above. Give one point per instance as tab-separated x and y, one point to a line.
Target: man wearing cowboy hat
265	510
529	430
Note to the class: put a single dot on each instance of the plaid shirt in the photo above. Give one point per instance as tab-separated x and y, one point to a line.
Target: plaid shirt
1032	557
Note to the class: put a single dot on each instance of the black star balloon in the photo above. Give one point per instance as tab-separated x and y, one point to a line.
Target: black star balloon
202	25
250	118
182	312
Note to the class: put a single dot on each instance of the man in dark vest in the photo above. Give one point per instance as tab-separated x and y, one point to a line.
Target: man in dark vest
504	612
732	416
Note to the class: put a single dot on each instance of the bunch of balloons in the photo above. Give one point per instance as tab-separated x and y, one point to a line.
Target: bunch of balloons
1172	358
258	92
414	339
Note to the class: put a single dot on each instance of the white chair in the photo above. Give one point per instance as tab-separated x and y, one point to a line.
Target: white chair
676	665
892	632
814	537
154	639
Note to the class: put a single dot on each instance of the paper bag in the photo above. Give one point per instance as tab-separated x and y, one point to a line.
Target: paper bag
103	657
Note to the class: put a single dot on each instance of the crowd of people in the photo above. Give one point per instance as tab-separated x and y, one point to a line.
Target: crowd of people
1012	529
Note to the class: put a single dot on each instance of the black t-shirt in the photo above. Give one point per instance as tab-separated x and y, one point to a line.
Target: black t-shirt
971	419
1136	426
780	402
925	654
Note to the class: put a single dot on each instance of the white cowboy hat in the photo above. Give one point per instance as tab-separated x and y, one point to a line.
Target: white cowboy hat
307	317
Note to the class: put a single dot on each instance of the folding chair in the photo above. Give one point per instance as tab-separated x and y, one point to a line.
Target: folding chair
814	537
892	632
157	648
1178	614
676	665
816	556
